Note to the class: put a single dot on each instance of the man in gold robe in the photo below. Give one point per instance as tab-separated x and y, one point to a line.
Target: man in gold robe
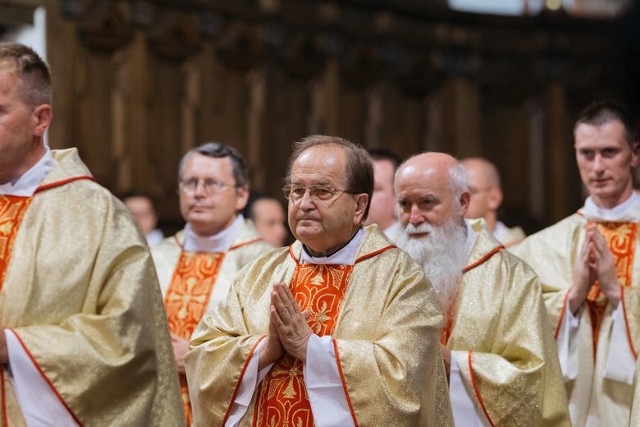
590	270
503	366
339	329
484	185
84	339
196	266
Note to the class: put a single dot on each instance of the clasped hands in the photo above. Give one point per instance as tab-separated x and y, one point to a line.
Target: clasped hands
288	329
594	261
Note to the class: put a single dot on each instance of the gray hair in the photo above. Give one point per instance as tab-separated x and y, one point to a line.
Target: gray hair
458	177
33	73
219	151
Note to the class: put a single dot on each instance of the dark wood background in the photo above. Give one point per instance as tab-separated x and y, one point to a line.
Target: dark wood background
137	83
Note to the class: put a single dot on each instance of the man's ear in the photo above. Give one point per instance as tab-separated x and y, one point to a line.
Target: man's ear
465	197
635	154
243	198
41	119
495	198
361	205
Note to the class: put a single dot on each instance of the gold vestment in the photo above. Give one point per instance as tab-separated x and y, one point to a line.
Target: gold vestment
512	367
386	337
552	253
192	299
81	293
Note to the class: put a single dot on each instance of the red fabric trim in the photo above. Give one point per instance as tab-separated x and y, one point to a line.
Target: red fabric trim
297	261
344	384
248	242
564	308
244	368
626	323
35	363
477	391
63	182
486	256
5	416
374	253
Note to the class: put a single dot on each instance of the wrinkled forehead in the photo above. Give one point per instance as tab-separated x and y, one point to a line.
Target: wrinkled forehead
321	164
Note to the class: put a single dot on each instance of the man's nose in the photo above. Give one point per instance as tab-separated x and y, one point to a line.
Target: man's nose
415	215
306	202
598	163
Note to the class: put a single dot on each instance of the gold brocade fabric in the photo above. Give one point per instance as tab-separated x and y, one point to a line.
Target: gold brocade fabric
386	335
81	293
552	253
247	247
282	396
12	209
500	318
194	283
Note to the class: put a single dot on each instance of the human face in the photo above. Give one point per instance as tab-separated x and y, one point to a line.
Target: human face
268	218
423	191
21	129
209	213
605	160
485	195
143	213
324	225
382	210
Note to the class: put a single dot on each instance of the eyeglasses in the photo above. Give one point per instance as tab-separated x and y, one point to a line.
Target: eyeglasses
210	186
295	193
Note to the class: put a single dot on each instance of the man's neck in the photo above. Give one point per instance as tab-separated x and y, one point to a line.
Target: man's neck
612	202
492	220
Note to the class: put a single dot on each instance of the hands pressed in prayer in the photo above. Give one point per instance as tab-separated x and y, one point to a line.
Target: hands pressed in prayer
594	261
272	349
180	349
290	323
605	269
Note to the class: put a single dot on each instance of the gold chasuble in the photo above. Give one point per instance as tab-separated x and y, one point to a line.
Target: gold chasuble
78	289
282	397
501	340
381	314
552	253
189	279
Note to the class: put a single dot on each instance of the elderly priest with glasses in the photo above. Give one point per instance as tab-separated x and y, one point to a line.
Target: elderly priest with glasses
339	329
196	266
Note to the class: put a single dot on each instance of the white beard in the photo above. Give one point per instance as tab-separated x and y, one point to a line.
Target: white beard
442	254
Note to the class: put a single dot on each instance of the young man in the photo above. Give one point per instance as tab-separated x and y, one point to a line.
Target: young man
590	270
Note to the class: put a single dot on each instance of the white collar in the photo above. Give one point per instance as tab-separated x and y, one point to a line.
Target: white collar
27	184
627	211
345	256
220	242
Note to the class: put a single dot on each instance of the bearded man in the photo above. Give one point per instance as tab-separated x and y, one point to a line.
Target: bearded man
496	342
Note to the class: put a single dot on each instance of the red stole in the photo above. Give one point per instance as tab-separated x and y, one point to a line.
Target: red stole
12	210
282	398
621	238
187	299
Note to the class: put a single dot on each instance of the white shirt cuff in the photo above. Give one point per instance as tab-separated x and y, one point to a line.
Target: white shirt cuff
568	344
324	384
620	364
39	403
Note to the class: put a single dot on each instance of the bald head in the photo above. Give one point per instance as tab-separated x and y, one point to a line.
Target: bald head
431	188
484	186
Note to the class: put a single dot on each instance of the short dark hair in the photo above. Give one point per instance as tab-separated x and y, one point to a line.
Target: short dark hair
384	154
218	151
359	170
33	73
603	112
